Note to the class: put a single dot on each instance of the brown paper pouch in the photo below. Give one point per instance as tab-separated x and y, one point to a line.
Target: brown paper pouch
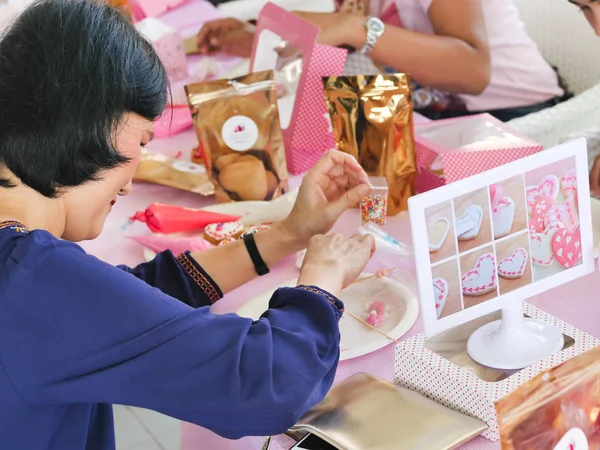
237	122
372	120
184	175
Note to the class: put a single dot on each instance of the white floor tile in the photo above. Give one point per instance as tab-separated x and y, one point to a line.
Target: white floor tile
128	430
156	423
170	440
149	444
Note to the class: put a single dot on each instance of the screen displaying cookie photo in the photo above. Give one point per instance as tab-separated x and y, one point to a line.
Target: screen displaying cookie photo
553	213
440	232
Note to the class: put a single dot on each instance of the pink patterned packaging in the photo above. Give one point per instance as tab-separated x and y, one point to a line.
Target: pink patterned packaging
453	149
168	44
441	369
286	44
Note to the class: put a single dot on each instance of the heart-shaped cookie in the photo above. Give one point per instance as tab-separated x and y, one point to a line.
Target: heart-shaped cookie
568	183
548	187
515	265
469	224
482	278
566	245
503	216
541	246
438	232
538	214
440	292
565	214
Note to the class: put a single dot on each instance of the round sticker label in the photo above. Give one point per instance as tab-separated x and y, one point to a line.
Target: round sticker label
240	133
575	439
188	167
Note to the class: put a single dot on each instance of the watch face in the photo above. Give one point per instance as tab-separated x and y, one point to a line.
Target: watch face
375	25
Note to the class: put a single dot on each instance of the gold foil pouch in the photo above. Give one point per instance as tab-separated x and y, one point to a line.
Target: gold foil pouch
184	175
372	120
559	409
237	122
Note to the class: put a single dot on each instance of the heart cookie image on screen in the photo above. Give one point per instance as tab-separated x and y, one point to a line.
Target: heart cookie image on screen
515	265
440	292
549	187
568	184
537	223
482	278
438	232
503	216
542	254
566	245
565	214
469	224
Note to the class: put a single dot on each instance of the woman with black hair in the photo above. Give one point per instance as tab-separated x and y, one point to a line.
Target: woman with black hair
79	90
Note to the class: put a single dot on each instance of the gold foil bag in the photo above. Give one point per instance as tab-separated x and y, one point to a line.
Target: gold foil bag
184	175
237	122
559	409
372	120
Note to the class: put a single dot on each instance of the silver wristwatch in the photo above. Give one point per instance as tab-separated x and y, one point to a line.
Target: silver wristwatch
375	29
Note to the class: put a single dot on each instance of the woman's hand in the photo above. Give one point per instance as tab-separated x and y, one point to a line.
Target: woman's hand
229	36
595	178
334	262
335	184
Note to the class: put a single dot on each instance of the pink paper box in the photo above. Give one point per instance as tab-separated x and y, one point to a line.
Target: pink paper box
153	8
168	44
453	149
304	117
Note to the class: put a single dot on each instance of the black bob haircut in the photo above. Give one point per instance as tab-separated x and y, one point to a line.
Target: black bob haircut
69	71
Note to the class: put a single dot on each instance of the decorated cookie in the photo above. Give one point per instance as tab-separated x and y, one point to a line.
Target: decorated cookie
438	232
515	265
503	216
217	232
542	254
440	292
548	187
568	184
566	246
482	278
537	223
565	214
469	224
375	313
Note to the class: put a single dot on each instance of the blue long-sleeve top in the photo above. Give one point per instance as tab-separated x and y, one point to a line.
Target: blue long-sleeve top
78	335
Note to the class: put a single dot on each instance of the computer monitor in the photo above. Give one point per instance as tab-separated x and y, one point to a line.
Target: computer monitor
491	241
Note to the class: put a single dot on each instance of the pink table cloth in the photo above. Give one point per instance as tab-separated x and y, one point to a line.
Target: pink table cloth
573	302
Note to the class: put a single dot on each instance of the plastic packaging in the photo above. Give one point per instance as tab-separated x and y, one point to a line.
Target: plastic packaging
558	409
373	209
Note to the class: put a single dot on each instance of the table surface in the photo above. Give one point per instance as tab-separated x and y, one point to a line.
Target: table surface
570	302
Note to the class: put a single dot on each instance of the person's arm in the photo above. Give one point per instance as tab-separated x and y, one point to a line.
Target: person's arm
456	59
97	335
179	277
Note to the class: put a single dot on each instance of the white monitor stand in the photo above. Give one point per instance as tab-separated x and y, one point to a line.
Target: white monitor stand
514	342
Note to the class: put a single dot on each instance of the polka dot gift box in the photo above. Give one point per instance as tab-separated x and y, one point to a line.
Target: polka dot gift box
453	149
287	44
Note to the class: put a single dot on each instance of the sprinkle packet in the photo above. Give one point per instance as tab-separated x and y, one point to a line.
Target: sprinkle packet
373	208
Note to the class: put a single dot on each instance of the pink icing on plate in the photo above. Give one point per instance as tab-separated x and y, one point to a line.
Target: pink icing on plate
375	313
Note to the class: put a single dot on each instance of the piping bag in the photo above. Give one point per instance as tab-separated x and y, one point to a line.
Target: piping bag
177	245
168	219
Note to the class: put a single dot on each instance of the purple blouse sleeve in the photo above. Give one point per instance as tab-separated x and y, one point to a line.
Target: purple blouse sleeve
182	278
96	334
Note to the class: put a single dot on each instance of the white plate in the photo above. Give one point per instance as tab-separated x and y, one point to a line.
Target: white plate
358	339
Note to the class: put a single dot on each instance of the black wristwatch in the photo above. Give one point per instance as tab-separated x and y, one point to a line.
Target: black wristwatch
259	264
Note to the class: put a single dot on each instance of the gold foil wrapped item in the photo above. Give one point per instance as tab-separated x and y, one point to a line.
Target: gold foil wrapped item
559	409
372	120
237	122
184	175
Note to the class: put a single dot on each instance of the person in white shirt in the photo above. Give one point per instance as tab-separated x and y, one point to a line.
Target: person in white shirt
476	50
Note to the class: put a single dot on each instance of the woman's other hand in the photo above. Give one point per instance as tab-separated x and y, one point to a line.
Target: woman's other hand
333	262
335	184
229	36
595	178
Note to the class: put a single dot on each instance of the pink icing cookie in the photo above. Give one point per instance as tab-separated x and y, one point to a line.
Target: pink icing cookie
537	223
566	245
542	254
482	278
565	214
514	266
548	187
568	183
440	292
217	232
